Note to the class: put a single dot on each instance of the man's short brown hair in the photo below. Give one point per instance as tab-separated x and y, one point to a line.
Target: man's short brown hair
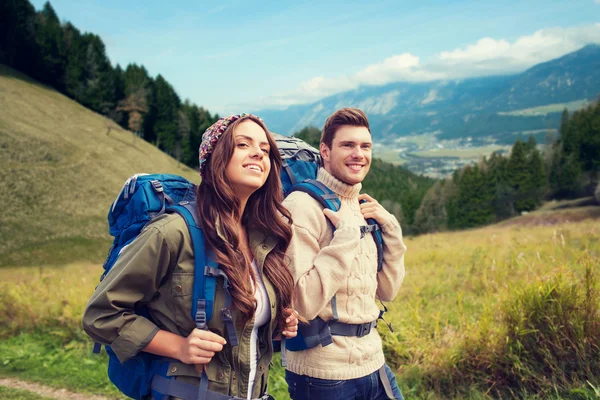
343	116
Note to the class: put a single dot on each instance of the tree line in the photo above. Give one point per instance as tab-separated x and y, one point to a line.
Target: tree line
500	187
76	64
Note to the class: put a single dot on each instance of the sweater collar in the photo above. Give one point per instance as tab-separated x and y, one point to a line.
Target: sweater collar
340	188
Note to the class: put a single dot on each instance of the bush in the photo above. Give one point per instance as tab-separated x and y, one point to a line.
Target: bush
553	336
546	346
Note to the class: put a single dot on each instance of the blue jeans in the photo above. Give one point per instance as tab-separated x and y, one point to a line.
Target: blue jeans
370	387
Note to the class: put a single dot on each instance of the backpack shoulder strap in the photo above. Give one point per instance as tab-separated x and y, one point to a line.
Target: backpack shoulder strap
375	230
204	285
206	272
328	199
379	242
318	191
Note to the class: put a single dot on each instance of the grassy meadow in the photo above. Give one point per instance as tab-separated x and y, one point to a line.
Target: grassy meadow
62	165
507	311
451	319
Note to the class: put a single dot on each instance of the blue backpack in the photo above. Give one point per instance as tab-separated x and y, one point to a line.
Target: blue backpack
145	197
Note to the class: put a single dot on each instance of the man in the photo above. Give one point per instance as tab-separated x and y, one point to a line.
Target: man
328	263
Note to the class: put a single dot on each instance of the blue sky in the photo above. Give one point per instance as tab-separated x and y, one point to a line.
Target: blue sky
234	56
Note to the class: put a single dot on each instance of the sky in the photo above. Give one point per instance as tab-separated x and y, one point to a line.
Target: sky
241	56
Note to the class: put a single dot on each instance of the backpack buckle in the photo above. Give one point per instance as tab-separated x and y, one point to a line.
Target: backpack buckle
201	319
157	186
226	314
364	329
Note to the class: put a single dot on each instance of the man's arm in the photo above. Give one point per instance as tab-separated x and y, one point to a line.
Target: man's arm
390	278
318	272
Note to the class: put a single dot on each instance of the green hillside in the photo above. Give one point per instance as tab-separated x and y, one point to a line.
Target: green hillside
62	165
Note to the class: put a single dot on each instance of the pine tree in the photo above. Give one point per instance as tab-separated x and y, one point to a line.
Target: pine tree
311	135
504	193
167	115
431	216
99	77
18	46
75	85
474	200
50	39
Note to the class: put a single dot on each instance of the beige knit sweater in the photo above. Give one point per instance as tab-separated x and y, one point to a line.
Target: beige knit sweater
326	262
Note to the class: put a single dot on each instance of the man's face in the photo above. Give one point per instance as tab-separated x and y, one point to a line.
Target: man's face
349	157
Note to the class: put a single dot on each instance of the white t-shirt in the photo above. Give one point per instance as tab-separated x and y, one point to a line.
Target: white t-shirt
262	316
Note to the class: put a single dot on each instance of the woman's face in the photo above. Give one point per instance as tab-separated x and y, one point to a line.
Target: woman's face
250	164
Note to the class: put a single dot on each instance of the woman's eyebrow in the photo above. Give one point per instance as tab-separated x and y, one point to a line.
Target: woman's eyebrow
251	139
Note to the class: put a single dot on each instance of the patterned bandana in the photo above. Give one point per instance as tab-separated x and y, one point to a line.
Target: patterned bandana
212	135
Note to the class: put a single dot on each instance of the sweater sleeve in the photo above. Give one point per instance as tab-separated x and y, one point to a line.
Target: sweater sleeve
318	271
390	278
109	316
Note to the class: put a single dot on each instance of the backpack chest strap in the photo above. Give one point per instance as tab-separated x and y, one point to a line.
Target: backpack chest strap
358	330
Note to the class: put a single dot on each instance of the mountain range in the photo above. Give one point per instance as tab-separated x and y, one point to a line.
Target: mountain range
496	106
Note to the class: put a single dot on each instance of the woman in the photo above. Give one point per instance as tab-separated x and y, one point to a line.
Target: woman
248	231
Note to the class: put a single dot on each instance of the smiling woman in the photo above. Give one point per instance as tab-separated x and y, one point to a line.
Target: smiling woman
246	231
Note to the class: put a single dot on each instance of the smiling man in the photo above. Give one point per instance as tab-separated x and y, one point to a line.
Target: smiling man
342	264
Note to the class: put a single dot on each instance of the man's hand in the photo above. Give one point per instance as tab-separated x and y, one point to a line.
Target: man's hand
335	217
372	209
200	347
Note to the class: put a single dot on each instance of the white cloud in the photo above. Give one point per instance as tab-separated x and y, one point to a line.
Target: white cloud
487	56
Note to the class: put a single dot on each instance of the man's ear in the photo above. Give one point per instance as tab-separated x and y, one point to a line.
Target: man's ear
325	152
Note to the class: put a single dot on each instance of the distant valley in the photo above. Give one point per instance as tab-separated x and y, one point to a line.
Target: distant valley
435	127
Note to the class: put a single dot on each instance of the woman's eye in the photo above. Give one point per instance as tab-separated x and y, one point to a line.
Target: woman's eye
242	144
266	151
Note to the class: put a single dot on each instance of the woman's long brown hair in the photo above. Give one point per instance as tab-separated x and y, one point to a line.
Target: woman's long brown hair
264	212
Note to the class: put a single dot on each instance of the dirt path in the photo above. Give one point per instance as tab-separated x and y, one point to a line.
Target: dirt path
47	391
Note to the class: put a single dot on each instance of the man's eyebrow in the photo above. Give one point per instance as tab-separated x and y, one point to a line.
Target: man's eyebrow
343	142
251	139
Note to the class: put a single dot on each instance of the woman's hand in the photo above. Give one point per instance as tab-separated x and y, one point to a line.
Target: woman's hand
291	324
200	347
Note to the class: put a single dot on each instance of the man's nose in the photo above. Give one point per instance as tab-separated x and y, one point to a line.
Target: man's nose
357	153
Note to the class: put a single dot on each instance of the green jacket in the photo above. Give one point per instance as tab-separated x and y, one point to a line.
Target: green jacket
157	270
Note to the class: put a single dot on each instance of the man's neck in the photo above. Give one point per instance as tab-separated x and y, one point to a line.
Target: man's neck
342	189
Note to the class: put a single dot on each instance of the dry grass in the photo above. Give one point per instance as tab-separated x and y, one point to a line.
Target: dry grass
60	171
42	297
456	284
455	287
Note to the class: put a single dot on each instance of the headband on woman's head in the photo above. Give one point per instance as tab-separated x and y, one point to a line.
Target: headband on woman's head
212	135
